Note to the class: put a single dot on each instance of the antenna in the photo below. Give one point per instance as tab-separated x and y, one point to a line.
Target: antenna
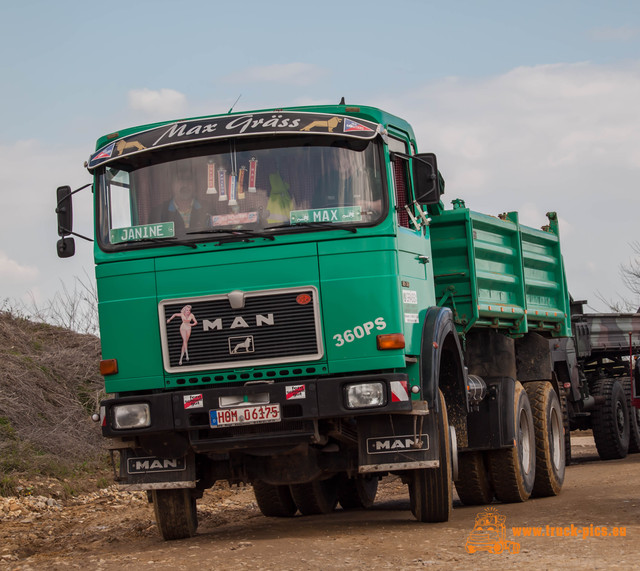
234	104
342	102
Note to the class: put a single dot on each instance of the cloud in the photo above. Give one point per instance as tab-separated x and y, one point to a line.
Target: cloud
30	171
14	272
295	73
161	102
561	137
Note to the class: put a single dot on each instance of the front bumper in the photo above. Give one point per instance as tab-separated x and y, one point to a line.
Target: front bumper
302	402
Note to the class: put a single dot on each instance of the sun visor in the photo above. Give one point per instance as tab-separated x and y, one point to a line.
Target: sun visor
211	128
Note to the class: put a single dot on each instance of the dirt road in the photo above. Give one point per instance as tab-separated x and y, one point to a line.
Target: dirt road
115	530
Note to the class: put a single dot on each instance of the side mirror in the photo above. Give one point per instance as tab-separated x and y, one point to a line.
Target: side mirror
66	247
426	183
64	210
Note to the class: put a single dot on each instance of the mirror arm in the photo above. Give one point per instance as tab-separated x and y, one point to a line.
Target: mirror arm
71	194
68	232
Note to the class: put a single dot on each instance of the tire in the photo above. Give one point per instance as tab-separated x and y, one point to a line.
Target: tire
430	489
513	470
176	513
610	421
634	420
564	405
274	501
317	497
549	435
473	484
357	493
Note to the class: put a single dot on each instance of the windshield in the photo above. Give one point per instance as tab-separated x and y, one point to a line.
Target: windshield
241	187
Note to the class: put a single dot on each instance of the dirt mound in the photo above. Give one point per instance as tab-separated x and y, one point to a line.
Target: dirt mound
49	387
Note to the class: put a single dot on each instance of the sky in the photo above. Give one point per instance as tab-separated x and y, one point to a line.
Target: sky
529	106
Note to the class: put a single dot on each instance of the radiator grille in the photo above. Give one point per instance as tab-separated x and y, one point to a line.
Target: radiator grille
272	327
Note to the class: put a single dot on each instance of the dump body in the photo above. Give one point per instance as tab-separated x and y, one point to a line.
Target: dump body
494	272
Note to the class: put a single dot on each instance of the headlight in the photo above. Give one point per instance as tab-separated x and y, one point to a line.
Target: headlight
137	415
365	395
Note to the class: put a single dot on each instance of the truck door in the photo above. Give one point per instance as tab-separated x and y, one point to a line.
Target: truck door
414	251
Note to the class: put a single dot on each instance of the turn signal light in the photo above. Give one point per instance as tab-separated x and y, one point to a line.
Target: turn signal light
390	341
108	367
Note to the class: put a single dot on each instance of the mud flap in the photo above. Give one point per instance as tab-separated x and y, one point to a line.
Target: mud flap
397	442
140	471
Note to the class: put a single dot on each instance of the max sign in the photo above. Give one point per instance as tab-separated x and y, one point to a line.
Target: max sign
228	126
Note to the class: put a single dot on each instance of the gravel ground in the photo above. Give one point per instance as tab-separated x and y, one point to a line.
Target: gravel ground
111	529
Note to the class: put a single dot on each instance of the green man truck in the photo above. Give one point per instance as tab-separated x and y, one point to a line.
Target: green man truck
285	301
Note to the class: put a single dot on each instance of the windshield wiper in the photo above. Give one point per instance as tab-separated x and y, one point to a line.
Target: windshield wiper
242	235
318	225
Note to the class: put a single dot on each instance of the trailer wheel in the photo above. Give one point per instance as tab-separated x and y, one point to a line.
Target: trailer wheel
430	489
634	420
513	470
357	493
610	421
473	484
274	501
176	514
317	497
549	436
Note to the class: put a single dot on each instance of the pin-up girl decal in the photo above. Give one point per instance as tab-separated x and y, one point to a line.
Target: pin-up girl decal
188	321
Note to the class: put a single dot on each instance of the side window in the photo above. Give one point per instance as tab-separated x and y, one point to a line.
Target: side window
401	181
120	201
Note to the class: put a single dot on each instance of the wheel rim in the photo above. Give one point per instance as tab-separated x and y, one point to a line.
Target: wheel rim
556	439
525	442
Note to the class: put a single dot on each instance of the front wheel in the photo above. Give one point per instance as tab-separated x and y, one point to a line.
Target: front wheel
473	484
274	501
317	497
430	489
176	514
357	493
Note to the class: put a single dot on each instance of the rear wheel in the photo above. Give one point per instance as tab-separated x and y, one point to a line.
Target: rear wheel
274	501
549	436
634	420
430	489
610	421
513	470
317	497
176	513
357	493
473	484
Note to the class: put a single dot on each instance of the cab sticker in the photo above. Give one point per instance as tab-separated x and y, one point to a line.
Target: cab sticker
359	331
193	401
145	232
335	215
295	392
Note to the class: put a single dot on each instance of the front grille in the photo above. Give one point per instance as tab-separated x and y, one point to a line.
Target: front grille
273	327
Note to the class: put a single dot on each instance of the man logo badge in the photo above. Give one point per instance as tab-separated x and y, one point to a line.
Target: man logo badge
239	345
406	443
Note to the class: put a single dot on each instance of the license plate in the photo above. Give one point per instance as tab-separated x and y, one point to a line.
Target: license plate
242	415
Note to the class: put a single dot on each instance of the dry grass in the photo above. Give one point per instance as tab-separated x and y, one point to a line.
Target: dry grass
49	387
